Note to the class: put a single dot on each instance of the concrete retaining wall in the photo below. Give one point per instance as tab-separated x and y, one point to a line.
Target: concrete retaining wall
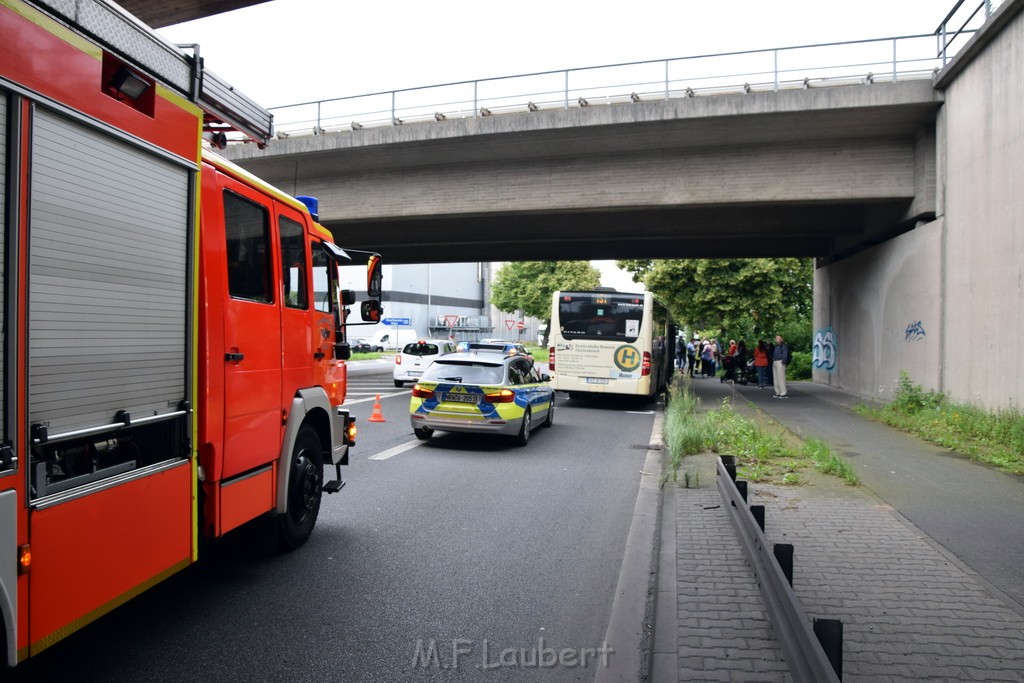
960	276
878	313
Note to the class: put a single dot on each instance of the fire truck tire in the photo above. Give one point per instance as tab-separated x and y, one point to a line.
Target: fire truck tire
305	489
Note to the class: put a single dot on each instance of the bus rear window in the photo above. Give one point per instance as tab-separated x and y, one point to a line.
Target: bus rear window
600	316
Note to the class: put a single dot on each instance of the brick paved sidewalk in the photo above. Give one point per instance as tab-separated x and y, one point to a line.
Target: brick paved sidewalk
910	611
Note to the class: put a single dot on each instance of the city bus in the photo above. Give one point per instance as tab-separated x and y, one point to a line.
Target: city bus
609	342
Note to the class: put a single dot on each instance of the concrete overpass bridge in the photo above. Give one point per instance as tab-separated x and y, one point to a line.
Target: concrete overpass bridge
811	172
908	192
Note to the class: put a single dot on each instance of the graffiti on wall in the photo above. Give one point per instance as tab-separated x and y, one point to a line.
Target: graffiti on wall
824	353
915	332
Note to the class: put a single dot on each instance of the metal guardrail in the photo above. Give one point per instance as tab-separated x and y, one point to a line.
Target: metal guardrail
768	70
804	643
948	32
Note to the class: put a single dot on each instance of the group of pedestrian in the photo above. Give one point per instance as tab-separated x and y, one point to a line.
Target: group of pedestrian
703	357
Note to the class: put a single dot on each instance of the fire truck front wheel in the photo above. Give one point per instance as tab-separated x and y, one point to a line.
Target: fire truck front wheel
305	489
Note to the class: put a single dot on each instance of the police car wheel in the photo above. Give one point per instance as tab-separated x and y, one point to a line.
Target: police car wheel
550	420
523	437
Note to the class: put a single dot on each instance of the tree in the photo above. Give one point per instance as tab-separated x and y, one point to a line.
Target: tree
740	298
527	286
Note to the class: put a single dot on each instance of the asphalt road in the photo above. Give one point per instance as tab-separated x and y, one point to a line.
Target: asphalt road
464	549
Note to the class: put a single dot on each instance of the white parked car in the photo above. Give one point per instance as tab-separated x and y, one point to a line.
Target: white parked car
416	356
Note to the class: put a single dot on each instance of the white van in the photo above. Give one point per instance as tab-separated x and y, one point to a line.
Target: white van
393	338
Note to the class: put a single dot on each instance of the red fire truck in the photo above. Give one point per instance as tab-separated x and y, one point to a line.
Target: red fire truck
173	329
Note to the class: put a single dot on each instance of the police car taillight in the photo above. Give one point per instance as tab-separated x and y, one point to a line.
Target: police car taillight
420	392
503	396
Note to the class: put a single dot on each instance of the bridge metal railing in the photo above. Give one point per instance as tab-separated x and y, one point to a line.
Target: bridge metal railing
803	66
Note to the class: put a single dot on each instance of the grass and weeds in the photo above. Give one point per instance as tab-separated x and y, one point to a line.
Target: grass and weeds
995	438
765	451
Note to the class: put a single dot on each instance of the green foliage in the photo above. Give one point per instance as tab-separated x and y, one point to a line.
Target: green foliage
829	462
800	366
911	398
527	286
744	298
764	454
992	437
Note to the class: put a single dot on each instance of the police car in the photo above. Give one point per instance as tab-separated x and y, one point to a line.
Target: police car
482	391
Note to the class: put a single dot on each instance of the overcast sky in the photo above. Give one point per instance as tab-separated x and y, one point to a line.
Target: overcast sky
289	51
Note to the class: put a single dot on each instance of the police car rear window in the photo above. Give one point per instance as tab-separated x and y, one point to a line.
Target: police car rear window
418	349
465	372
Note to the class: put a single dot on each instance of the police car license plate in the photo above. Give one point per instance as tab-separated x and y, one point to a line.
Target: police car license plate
460	398
597	380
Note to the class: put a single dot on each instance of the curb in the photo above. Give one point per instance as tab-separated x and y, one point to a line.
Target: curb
632	615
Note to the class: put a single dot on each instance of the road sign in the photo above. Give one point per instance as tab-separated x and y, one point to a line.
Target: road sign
451	320
396	321
509	324
521	325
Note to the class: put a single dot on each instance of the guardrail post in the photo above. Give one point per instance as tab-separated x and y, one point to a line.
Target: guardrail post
893	60
741	486
758	512
729	462
784	556
775	56
830	635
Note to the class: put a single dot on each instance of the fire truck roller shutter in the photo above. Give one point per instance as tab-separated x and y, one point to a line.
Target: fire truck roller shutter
3	241
108	253
9	575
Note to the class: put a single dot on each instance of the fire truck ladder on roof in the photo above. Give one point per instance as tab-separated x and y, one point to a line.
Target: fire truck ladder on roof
124	35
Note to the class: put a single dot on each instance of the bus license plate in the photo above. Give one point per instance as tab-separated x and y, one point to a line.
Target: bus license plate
597	380
460	398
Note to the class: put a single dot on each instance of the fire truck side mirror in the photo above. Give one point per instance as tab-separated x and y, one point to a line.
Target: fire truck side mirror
371	311
373	277
348	297
342	351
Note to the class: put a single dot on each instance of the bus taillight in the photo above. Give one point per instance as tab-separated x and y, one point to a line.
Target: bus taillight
551	359
646	368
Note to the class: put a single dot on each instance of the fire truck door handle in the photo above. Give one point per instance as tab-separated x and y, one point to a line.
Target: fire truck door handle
234	357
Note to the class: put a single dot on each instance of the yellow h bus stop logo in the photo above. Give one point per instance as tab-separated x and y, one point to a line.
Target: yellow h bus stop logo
627	358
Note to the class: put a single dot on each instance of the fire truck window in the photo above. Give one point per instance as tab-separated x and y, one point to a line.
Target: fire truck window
247	227
325	280
293	258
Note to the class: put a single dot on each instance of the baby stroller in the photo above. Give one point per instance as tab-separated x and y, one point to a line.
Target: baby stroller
747	374
729	365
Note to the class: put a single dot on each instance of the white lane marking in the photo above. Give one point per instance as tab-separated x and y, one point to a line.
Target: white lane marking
640	412
374	396
391	452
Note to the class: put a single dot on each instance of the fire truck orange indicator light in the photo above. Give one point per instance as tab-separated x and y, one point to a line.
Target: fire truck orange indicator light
24	558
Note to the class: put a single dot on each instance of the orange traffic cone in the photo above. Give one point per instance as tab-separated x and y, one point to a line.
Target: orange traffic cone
377	416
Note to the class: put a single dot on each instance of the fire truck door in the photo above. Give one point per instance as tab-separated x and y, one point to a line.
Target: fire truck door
300	345
252	333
